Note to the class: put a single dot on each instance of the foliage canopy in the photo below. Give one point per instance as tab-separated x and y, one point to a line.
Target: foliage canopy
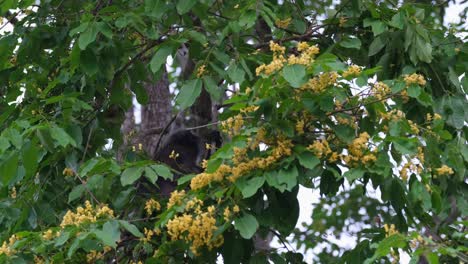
367	94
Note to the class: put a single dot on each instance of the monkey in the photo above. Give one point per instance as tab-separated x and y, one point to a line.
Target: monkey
182	150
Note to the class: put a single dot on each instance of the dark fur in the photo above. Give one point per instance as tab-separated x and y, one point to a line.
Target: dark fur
189	148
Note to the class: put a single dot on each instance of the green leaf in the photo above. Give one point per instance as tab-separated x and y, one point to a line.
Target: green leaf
189	92
247	19
8	169
354	174
109	234
414	91
183	6
88	36
236	73
30	156
351	43
159	58
246	225
404	145
378	27
61	136
288	178
295	75
376	45
76	193
131	228
344	133
384	247
162	171
308	160
212	88
398	20
151	175
64	236
251	186
130	175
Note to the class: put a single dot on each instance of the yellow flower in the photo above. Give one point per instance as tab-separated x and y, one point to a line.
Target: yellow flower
201	70
414	79
86	214
352	70
68	172
444	170
48	235
342	22
283	23
390	230
173	155
176	198
300	127
13	193
152	205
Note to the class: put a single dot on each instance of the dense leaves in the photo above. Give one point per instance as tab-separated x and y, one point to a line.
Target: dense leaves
364	102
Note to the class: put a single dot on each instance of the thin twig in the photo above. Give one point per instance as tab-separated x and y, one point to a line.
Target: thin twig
164	132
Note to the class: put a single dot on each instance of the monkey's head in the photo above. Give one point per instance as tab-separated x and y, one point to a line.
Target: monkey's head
182	151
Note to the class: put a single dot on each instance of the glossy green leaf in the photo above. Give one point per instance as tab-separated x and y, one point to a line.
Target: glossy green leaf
294	74
189	92
159	58
109	234
130	175
246	225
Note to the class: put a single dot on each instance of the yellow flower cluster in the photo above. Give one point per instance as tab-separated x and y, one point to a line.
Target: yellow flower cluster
38	260
352	71
174	155
319	83
305	58
414	127
282	148
176	198
195	229
68	172
444	170
232	125
394	115
86	214
277	62
13	193
307	54
249	109
342	22
7	248
151	205
357	150
320	148
228	213
347	120
95	255
50	234
149	233
419	240
201	70
380	90
430	118
414	79
203	179
300	127
283	23
390	230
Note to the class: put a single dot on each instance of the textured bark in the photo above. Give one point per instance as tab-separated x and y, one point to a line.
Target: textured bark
127	130
155	114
